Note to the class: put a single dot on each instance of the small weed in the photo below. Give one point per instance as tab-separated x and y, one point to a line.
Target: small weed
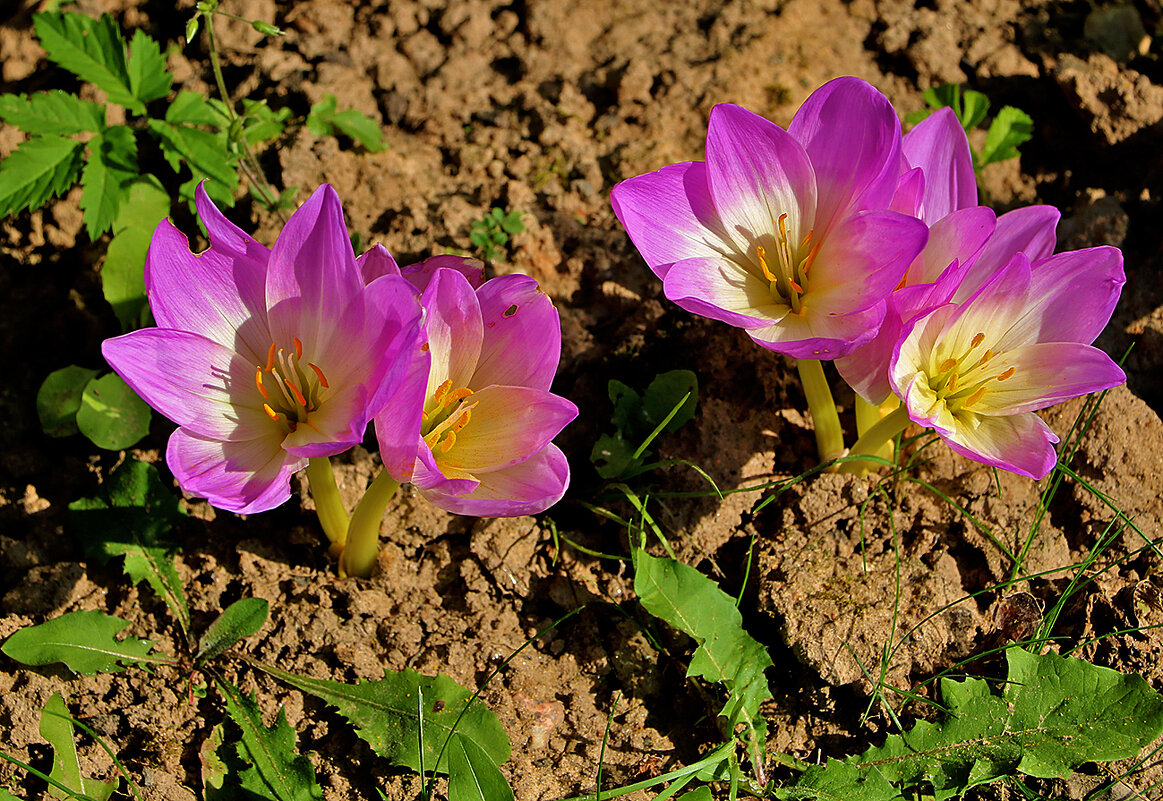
492	231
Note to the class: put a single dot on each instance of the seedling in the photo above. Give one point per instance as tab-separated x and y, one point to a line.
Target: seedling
1009	129
492	231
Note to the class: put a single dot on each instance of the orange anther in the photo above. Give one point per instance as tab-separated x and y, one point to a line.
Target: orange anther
271	413
782	226
807	238
448	442
811	257
974	398
946	365
319	374
298	347
438	395
258	382
978	338
1007	374
988	355
762	254
463	420
271	358
952	385
799	289
459	394
298	395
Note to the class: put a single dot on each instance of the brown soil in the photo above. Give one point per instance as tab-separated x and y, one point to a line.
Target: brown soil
542	107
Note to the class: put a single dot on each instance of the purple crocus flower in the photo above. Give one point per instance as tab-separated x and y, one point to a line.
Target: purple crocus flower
786	234
471	427
264	358
976	371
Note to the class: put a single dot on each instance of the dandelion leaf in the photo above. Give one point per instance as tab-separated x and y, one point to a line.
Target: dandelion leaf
390	714
839	781
693	604
56	727
472	774
85	641
241	619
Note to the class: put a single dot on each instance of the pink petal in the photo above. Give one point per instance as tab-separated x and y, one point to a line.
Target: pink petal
522	334
815	336
938	146
1022	444
959	237
1076	292
756	173
453	327
428	476
245	477
200	385
375	263
508	425
866	368
230	240
853	137
338	423
669	215
421	273
722	290
1046	374
398	423
910	192
527	488
312	275
1029	230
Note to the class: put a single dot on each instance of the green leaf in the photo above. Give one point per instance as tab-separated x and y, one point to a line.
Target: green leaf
123	271
513	223
665	392
56	727
214	769
629	413
129	517
699	794
38	169
84	641
260	122
975	105
6	795
351	123
472	774
111	166
112	416
204	152
612	456
693	604
52	113
387	715
1054	714
194	108
91	49
839	781
148	79
241	619
1010	128
59	398
272	768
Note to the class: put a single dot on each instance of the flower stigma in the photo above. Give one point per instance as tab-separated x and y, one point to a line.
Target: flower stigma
791	272
961	382
289	392
445	414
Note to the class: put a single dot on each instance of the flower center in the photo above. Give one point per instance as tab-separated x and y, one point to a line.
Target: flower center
964	381
290	392
790	274
445	414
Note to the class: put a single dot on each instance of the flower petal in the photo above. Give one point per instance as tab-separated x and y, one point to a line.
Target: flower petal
421	273
398	423
427	475
1020	443
818	336
453	327
756	173
312	263
1029	230
508	425
853	137
199	384
1075	293
248	476
376	262
338	423
959	237
1046	374
527	488
939	146
910	192
722	290
669	215
866	368
522	334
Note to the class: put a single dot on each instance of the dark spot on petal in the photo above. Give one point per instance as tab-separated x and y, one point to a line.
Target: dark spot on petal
509	312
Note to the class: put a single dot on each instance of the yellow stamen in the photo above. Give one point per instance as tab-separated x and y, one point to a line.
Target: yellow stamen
258	382
463	421
1007	374
811	256
952	385
438	395
974	398
271	413
449	441
978	338
988	355
459	394
319	374
782	226
807	238
946	365
298	395
762	254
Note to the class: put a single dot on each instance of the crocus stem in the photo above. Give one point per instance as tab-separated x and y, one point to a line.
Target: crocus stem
328	505
363	535
829	435
875	438
868	415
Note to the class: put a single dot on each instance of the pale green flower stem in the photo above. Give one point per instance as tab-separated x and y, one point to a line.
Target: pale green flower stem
363	533
328	505
829	434
875	438
868	415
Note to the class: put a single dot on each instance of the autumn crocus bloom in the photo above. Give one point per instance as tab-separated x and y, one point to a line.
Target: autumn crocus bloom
785	234
473	430
977	371
264	358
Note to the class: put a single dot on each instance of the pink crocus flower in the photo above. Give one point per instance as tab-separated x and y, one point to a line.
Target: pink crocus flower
264	357
976	371
786	234
472	426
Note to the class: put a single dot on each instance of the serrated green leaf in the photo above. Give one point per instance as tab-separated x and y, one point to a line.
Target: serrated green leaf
351	123
386	715
839	781
241	619
1009	129
92	49
129	517
665	392
85	641
204	152
56	727
41	168
272	768
693	604
1055	714
260	122
123	271
194	108
52	113
111	166
472	774
112	416
213	767
148	79
59	398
